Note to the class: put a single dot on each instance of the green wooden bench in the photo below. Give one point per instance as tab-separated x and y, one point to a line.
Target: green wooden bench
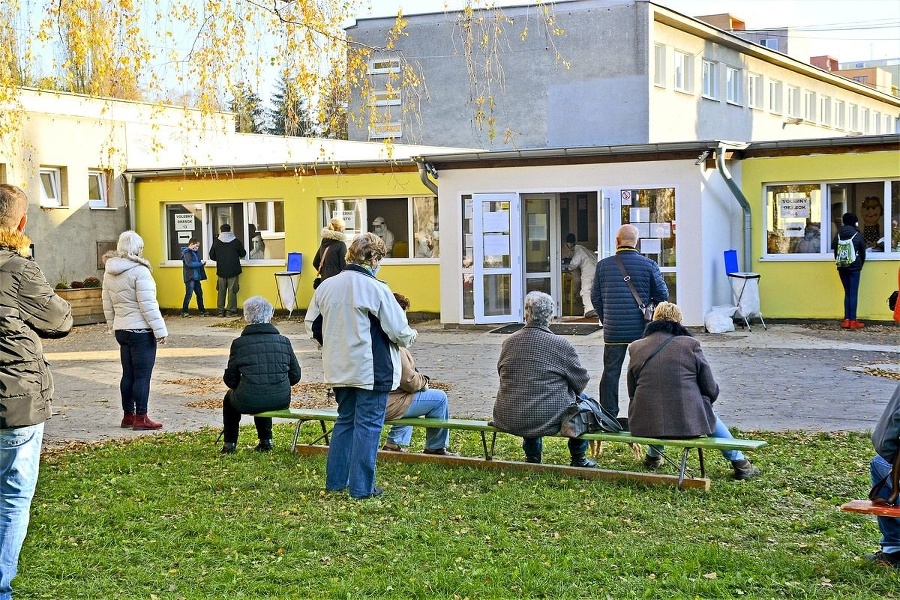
302	415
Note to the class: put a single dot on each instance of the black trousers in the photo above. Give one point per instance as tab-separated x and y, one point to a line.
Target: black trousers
231	420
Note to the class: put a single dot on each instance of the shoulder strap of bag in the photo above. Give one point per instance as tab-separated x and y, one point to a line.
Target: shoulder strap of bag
627	278
322	262
655	352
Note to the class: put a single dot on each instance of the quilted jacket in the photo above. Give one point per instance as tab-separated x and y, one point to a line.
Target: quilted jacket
30	310
622	320
129	295
261	369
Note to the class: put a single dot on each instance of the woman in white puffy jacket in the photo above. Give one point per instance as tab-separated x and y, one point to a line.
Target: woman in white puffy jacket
132	313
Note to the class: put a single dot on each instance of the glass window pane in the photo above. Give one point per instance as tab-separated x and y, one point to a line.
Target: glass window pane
94	187
184	221
389	220
350	210
497	295
652	211
894	240
794	218
425	227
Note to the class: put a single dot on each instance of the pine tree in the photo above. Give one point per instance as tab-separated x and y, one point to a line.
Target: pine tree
289	114
249	112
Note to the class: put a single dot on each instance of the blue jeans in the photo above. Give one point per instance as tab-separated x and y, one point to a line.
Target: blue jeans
426	403
534	447
889	526
354	441
190	288
850	281
721	431
613	358
20	454
138	354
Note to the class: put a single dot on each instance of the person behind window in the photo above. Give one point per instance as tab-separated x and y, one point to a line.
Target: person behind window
132	313
540	377
193	271
584	262
261	369
330	258
873	215
413	398
811	242
850	274
380	229
672	390
257	247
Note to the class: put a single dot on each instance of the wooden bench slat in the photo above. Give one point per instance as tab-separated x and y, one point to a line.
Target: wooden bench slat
866	507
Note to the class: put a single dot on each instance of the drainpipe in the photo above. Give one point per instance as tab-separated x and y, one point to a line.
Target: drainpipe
424	170
129	201
739	196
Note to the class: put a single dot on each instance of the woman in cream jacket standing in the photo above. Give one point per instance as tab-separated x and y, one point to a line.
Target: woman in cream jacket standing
129	302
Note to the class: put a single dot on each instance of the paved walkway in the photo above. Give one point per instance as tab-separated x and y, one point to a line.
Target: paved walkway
810	377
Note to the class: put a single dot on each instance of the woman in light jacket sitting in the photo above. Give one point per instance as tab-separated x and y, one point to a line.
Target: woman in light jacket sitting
671	389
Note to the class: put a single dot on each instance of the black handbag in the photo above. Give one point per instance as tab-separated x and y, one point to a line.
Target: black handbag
892	300
318	280
587	416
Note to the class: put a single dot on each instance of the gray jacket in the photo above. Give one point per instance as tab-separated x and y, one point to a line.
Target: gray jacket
540	375
30	310
886	436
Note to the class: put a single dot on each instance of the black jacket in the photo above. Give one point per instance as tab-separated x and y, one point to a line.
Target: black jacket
261	369
227	251
859	244
334	250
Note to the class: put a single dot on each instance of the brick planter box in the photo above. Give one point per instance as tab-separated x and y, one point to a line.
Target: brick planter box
87	304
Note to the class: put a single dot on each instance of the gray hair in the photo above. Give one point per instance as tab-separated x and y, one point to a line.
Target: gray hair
258	310
13	206
130	243
539	308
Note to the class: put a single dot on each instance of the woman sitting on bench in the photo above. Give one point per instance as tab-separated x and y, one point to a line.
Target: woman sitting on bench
671	389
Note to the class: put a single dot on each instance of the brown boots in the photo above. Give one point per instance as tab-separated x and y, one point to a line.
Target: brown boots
143	422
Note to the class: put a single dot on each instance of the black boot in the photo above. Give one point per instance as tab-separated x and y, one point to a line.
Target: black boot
579	460
229	448
533	459
264	446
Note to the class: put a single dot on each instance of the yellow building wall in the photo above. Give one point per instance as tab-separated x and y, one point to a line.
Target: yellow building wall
302	196
797	289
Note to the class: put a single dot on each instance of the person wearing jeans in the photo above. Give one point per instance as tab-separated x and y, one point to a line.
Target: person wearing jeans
850	274
137	351
31	311
194	272
886	440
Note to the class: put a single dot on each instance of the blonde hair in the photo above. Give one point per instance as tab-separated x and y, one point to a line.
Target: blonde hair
366	248
336	224
666	311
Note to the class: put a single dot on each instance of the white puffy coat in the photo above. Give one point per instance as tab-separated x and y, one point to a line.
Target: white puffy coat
129	295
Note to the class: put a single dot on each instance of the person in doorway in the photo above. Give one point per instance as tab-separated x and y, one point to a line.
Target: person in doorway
672	390
380	229
193	270
585	263
261	369
851	273
413	398
540	377
227	250
361	328
886	440
31	310
132	314
622	318
331	257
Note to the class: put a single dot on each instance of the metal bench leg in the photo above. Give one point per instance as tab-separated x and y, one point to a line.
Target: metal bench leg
702	463
488	454
684	456
296	436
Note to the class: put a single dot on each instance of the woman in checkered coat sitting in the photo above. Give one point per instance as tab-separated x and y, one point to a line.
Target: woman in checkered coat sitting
540	376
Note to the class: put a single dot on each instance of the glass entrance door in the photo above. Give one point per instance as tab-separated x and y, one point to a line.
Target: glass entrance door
652	211
496	233
541	245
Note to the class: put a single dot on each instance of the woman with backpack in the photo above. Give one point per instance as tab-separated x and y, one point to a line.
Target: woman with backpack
849	256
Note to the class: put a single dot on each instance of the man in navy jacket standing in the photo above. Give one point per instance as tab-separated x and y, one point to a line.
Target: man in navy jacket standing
622	318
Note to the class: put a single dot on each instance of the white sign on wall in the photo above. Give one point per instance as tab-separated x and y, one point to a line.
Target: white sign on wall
184	222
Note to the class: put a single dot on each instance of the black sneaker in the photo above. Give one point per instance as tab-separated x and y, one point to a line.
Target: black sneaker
221	313
653	463
184	315
583	462
884	559
263	446
744	469
229	448
375	493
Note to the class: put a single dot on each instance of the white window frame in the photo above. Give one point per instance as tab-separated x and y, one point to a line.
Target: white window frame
755	90
102	183
853	124
793	101
864	120
733	80
840	116
809	106
378	66
710	80
659	65
51	186
386	97
876	121
776	96
683	72
770	43
825	111
385	130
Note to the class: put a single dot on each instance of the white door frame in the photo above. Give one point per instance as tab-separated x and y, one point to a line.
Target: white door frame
497	233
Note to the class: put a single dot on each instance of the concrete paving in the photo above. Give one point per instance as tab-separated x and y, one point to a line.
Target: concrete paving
812	377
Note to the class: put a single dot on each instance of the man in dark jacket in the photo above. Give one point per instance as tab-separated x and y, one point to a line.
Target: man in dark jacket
227	250
261	369
31	310
886	439
622	318
850	274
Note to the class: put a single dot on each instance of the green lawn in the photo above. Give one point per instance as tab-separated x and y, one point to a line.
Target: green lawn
166	516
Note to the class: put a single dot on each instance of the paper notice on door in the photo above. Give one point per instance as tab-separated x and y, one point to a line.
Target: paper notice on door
496	245
660	230
650	245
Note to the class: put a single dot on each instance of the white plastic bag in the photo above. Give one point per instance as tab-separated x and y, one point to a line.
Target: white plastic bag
719	319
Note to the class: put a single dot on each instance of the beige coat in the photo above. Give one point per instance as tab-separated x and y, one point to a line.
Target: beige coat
411	381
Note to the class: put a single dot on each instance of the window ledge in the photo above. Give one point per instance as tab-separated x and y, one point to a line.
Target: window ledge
734	103
711	98
103	208
53	206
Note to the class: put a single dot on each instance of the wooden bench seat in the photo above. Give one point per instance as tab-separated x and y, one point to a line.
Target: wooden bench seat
302	415
866	507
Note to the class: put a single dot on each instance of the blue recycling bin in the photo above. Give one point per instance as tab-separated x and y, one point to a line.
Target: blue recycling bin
731	262
295	262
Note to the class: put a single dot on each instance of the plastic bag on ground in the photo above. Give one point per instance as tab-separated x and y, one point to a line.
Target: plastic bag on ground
719	319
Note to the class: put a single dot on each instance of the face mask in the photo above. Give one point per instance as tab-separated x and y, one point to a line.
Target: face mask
375	269
570	245
379	229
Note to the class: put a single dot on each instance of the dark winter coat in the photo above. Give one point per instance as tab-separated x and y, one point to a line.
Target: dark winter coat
540	376
859	244
227	251
886	435
30	310
192	268
261	369
622	319
334	249
672	394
